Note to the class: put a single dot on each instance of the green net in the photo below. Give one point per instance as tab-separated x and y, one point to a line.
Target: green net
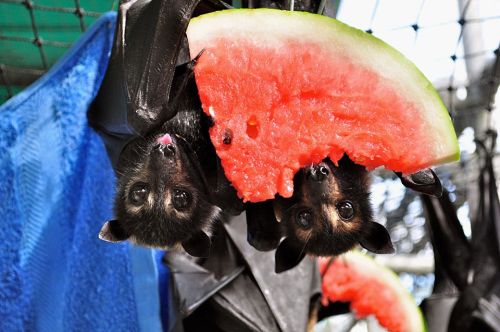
34	34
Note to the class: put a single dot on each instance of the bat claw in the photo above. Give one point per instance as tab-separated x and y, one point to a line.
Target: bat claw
424	181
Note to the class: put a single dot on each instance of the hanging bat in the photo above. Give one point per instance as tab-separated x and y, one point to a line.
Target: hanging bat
328	214
170	184
165	194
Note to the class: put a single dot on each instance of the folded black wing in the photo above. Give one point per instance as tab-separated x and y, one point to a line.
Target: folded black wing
149	43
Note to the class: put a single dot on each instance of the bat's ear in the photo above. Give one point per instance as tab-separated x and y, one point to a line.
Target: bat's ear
287	256
198	245
112	231
377	239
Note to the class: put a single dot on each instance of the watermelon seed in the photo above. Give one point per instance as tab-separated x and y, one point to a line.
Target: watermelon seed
253	127
227	137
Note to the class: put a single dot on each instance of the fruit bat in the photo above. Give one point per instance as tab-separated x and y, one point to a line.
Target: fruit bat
171	188
163	195
328	214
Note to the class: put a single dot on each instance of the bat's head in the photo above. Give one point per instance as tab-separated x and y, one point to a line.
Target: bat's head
162	197
329	214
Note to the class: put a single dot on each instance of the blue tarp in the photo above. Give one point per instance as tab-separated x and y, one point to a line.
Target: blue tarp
56	189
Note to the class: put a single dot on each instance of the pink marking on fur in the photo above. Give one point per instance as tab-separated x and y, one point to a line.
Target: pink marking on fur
165	139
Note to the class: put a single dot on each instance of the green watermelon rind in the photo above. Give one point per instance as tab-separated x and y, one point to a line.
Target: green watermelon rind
386	276
424	94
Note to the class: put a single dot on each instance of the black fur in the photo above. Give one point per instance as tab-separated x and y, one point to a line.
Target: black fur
320	190
158	225
187	165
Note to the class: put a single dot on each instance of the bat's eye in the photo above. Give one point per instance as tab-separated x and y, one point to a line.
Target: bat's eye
304	219
139	193
346	210
181	199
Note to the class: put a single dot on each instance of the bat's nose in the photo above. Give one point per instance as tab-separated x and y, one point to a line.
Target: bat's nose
166	145
168	150
317	173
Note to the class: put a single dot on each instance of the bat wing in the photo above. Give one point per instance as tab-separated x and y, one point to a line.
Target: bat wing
194	283
149	43
283	293
451	248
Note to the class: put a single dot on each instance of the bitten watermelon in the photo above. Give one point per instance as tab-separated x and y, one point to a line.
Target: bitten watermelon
371	289
287	89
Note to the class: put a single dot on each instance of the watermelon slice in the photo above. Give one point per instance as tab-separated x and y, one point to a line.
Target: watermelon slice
372	290
287	89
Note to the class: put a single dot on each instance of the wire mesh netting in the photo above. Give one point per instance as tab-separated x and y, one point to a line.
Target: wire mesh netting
34	34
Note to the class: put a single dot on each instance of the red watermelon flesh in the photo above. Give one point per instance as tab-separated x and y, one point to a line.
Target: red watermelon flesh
281	101
371	290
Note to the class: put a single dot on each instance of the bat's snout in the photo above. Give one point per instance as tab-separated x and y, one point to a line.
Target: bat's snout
166	145
317	173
